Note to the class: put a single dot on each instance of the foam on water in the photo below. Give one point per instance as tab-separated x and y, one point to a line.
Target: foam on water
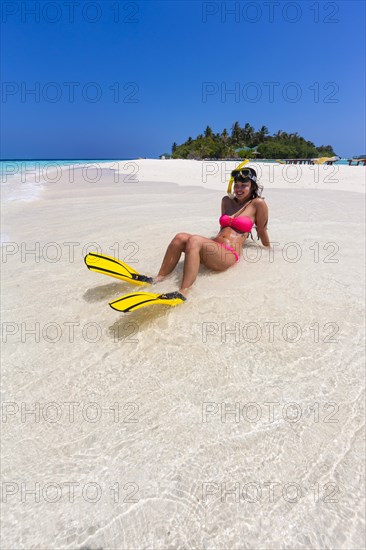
25	180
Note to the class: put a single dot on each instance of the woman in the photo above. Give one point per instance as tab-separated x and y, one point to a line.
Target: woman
225	250
217	254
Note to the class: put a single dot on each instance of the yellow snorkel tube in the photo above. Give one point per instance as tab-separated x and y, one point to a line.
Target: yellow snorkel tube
231	180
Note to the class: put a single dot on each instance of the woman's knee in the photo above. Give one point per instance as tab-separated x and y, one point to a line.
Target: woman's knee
194	241
181	239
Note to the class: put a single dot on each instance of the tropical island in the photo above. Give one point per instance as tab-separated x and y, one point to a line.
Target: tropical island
245	142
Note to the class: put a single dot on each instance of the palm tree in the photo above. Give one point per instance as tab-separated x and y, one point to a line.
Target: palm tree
224	135
236	133
248	133
263	132
208	132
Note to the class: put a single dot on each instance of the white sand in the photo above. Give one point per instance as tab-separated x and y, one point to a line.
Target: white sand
269	331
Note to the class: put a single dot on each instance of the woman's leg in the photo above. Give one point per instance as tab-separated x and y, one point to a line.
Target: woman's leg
172	255
210	253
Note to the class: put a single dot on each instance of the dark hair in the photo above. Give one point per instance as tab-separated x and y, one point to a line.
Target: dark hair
256	191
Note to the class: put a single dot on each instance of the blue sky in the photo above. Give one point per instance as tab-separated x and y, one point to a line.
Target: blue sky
125	79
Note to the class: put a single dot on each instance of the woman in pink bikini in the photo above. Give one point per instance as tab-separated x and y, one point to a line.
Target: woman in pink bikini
224	250
217	254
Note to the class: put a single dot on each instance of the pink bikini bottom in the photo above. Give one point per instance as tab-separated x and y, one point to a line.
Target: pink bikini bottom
230	250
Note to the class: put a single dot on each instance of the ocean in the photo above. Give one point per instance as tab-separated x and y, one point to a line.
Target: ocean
24	179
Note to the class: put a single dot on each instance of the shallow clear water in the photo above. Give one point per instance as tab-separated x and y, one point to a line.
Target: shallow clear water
233	421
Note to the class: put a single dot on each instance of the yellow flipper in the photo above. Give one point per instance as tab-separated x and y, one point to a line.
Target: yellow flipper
136	300
115	268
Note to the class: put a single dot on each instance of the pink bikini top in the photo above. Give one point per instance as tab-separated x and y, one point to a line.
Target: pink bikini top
241	224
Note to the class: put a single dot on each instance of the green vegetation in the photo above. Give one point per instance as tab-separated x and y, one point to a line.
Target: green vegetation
247	143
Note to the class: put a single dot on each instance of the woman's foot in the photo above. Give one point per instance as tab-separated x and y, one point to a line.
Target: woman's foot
184	292
159	278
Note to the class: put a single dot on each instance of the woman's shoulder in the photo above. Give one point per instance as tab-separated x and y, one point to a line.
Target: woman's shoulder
259	202
226	202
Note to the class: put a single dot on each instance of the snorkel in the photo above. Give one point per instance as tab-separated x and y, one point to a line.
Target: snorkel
232	178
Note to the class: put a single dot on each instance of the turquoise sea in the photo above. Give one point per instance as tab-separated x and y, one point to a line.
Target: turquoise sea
23	179
10	167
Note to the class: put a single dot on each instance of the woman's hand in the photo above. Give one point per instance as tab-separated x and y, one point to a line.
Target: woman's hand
261	220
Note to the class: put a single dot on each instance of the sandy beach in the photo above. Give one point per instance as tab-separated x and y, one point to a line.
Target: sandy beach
233	421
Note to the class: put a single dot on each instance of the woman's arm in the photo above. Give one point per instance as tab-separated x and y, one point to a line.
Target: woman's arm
224	204
261	220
